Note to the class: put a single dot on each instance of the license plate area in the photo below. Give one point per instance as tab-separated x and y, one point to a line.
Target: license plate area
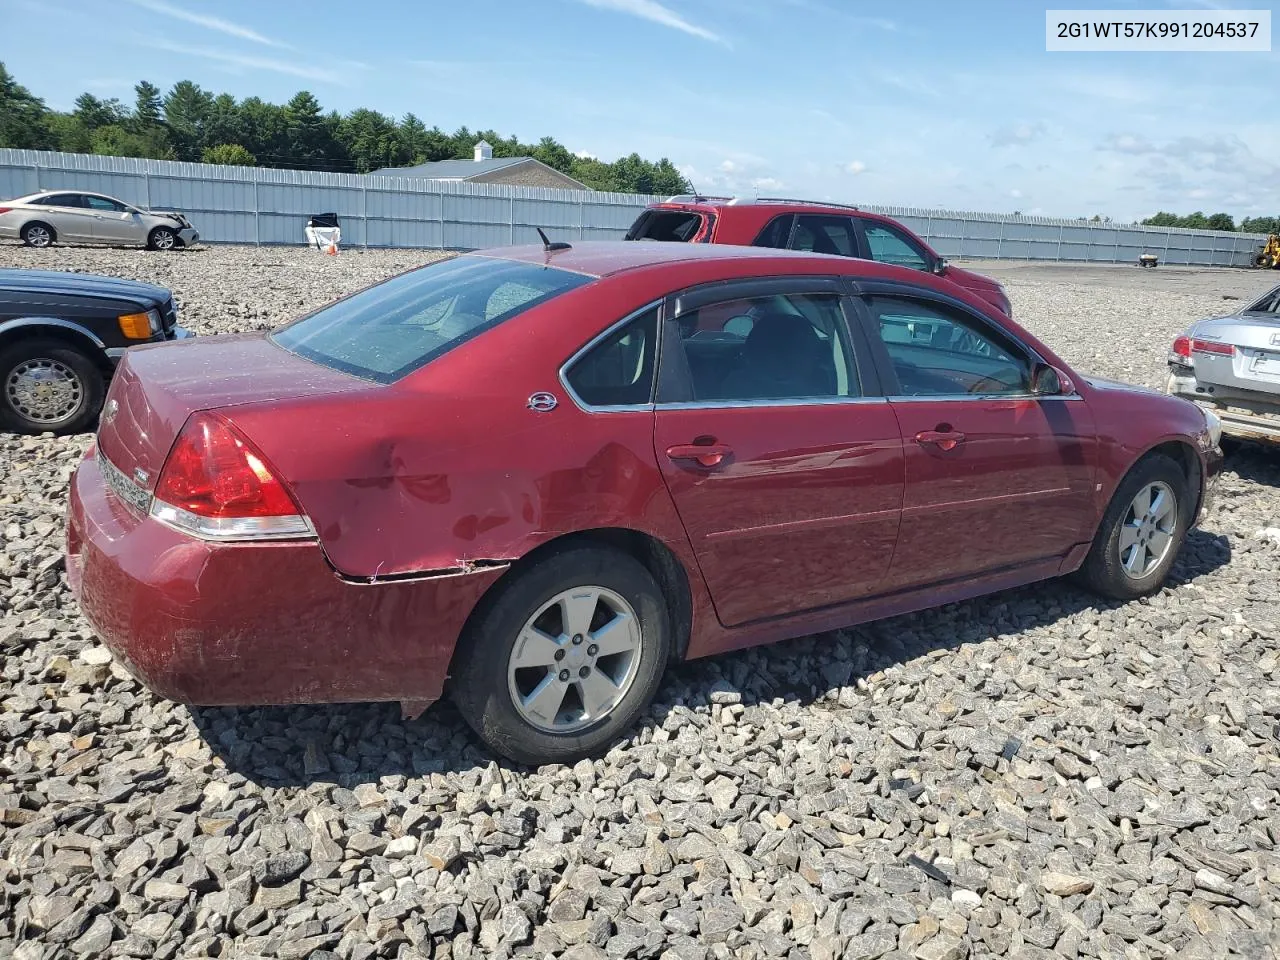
1266	363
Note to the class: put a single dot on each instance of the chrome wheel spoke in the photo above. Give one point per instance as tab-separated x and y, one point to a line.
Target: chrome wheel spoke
1134	560
1161	506
599	694
1128	536
534	649
1148	533
1159	543
1142	502
546	699
619	635
578	608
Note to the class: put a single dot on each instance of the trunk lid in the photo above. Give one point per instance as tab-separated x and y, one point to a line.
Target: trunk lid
155	389
1255	362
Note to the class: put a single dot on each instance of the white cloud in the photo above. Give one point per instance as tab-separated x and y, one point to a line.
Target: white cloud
855	167
1015	193
239	61
655	12
584	155
209	22
1018	134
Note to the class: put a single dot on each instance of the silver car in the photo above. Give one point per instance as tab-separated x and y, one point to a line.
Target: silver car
45	218
1231	365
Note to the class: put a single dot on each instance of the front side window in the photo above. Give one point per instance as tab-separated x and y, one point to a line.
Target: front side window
1268	304
939	351
888	245
789	347
832	235
618	371
389	330
103	204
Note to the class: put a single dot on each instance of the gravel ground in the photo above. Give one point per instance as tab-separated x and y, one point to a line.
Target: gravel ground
1032	774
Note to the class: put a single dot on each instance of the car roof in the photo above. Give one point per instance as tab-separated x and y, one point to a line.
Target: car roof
604	258
721	205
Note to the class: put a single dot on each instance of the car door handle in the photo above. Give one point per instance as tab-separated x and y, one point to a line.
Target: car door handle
943	439
705	454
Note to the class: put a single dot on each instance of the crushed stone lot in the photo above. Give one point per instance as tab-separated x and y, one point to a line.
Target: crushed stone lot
1033	774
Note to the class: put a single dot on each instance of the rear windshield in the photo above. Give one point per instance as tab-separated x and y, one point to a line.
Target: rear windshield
680	226
395	327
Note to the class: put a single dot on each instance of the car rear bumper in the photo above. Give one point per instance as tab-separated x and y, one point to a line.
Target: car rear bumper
254	624
1247	414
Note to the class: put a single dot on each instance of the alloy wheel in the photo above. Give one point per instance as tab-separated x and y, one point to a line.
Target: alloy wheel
575	659
38	236
1147	533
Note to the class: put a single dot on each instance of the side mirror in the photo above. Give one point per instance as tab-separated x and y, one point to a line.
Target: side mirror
1047	381
940	266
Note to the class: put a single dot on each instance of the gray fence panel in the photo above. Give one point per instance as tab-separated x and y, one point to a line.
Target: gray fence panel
256	205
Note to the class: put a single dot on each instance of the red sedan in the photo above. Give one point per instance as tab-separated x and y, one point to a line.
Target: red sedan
533	477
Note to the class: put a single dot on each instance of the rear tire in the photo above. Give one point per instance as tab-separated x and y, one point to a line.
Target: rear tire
38	234
530	614
162	238
48	386
1136	544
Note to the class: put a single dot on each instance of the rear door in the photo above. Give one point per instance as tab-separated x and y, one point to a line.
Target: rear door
783	460
68	216
888	244
995	475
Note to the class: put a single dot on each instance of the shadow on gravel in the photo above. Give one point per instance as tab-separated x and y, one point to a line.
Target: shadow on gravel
349	744
1253	461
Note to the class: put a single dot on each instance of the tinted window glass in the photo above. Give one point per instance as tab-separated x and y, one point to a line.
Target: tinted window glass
102	203
825	235
618	371
59	200
776	234
666	225
892	246
1268	304
768	348
395	327
939	351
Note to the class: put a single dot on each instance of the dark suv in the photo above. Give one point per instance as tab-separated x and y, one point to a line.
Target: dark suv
801	225
61	335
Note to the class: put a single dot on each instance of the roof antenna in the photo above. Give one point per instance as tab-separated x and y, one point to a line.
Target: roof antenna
548	246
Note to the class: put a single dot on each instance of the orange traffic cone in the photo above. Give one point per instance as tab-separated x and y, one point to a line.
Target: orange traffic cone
331	249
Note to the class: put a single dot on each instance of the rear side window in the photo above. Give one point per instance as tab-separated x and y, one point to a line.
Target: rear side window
391	329
776	234
832	235
618	371
667	226
60	200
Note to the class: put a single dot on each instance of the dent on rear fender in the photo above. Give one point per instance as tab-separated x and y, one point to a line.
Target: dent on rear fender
432	522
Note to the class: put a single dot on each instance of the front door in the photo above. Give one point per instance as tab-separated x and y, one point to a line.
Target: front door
995	476
113	222
784	463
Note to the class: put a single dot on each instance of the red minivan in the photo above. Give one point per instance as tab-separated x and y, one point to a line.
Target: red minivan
803	225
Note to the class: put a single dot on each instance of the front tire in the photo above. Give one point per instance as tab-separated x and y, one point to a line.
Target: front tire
1142	531
561	660
47	385
162	238
38	234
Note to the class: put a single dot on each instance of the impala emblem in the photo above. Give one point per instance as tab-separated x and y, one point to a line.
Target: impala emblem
109	411
141	476
542	402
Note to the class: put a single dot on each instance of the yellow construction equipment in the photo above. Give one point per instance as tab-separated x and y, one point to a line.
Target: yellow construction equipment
1269	256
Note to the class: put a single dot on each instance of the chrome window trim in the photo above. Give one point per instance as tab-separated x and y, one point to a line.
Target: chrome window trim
916	398
785	402
563	373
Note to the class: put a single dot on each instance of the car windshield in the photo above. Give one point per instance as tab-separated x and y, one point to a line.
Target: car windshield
391	329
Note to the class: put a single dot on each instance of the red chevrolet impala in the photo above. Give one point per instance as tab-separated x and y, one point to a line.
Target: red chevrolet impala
533	477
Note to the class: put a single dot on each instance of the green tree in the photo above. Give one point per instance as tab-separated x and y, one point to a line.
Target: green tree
1222	221
23	117
371	141
554	154
307	130
186	111
148	108
1260	225
1162	219
231	154
95	113
265	131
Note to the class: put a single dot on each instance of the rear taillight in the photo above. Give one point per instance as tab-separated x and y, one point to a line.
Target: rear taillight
216	485
1180	352
1211	346
5	209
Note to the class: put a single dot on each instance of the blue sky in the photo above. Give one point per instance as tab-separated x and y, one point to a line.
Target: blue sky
927	103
